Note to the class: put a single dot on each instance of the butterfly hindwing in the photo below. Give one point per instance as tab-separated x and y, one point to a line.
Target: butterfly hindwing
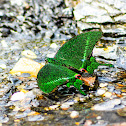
51	76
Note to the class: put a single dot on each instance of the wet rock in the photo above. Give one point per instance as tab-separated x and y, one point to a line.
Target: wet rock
109	105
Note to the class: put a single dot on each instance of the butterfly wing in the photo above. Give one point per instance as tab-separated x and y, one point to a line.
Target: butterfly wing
78	49
51	76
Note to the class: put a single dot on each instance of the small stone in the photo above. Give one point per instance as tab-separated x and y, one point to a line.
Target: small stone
103	84
33	113
4	119
29	54
107	94
82	99
35	118
25	65
22	115
4	44
74	114
71	102
65	107
124	94
17	96
100	91
87	123
54	45
53	107
122	112
3	66
110	105
17	121
98	117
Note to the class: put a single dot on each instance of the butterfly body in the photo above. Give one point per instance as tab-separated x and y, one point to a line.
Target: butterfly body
70	60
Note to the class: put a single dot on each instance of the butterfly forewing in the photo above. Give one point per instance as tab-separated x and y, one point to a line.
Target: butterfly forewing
77	50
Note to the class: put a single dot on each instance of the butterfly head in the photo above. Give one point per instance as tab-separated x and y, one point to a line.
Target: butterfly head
87	79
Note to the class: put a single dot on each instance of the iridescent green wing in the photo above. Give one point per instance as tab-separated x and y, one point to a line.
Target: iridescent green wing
78	49
51	76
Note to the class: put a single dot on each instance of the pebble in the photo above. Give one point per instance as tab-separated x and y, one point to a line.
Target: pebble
100	91
65	106
36	118
124	94
3	66
103	84
107	94
82	99
71	102
88	123
4	44
29	54
25	65
122	112
74	114
4	119
53	107
17	96
54	45
22	115
109	105
98	117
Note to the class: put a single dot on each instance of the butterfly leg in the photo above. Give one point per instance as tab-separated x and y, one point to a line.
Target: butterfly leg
77	84
94	65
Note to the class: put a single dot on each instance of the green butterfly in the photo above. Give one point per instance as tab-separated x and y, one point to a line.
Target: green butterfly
69	64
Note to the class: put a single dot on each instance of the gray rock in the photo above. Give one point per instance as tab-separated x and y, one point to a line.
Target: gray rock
99	11
90	13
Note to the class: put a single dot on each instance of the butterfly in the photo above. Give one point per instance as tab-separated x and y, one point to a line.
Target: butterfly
73	64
